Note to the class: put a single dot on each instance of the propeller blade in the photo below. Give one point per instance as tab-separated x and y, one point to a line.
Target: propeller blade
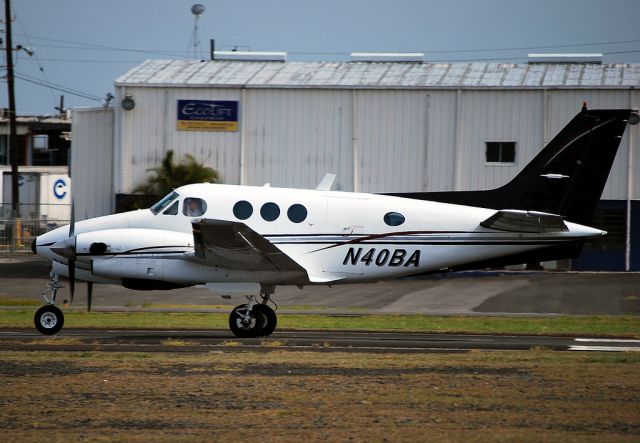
89	295
72	279
72	261
72	222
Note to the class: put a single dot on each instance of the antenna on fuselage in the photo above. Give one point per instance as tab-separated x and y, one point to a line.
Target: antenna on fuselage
326	183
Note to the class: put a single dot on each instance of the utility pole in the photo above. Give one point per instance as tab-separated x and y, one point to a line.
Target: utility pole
13	132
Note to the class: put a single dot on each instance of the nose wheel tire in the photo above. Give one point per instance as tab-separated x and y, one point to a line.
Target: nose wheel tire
49	320
261	322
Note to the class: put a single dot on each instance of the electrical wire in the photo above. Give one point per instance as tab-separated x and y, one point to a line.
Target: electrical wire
35	56
79	60
92	46
57	87
88	46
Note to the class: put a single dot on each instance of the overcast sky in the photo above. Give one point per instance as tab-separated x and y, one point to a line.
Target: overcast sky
83	45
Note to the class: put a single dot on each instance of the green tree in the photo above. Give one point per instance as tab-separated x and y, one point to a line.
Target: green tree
169	175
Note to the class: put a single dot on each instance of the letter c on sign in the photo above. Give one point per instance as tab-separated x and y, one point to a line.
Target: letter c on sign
59	189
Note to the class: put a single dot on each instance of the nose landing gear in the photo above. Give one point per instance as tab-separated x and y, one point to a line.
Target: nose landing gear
49	318
254	319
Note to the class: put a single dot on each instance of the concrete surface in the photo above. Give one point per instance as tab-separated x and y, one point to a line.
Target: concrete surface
150	340
542	293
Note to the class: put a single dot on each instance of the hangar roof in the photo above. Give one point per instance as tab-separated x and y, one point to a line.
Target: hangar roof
366	75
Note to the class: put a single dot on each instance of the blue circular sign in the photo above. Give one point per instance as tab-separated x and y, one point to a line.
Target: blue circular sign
59	188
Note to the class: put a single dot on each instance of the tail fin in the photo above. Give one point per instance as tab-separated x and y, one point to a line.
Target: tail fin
567	177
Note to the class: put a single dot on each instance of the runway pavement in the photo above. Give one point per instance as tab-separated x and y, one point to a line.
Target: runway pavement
152	340
524	293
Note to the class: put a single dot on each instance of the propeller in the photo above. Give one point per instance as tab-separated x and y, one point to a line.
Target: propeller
72	256
89	295
67	248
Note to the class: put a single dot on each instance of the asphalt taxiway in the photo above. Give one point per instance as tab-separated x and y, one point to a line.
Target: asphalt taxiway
470	293
154	340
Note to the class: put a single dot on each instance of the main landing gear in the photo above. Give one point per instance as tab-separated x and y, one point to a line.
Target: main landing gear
254	319
49	318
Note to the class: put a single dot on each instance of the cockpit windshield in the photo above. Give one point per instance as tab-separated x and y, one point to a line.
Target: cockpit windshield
164	202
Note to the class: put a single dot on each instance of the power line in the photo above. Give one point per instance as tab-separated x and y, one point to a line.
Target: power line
61	88
137	51
535	47
445	51
91	46
35	55
78	60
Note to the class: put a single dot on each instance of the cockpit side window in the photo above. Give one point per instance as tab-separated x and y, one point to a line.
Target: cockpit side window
173	209
194	207
166	200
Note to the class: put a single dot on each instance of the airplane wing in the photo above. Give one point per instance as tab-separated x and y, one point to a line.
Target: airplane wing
525	221
233	245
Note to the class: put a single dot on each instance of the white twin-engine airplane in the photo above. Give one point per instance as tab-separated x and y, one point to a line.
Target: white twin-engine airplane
224	236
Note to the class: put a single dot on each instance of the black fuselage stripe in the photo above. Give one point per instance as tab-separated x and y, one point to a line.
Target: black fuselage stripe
460	243
131	253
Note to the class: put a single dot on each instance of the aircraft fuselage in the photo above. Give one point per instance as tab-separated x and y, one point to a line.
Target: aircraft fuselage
337	237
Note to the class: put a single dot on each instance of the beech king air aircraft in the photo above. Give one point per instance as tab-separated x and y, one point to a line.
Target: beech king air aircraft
228	235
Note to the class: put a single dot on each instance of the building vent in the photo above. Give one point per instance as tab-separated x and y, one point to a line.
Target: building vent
565	58
414	57
251	56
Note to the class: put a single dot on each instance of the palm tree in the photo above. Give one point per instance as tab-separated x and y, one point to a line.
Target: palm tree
169	175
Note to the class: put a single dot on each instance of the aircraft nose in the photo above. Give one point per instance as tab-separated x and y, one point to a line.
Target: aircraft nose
65	248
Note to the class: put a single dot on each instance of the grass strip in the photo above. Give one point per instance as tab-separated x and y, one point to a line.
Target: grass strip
291	396
613	326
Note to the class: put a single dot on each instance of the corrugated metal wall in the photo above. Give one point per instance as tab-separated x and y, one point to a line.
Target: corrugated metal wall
294	137
92	154
497	116
390	128
402	140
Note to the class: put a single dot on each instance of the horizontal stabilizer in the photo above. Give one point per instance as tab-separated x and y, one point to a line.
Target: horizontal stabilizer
525	221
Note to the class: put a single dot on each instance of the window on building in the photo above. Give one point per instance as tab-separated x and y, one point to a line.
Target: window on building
4	151
501	152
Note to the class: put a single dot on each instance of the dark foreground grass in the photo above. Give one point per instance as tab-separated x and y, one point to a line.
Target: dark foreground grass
619	326
319	396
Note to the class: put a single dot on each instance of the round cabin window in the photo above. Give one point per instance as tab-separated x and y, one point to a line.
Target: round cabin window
393	218
270	211
242	210
297	213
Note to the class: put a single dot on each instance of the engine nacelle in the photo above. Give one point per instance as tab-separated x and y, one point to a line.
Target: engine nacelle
131	242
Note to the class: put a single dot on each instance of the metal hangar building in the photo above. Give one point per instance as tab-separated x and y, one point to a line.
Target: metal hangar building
381	123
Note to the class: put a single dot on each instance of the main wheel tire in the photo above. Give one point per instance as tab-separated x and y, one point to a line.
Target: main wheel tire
49	319
272	319
253	327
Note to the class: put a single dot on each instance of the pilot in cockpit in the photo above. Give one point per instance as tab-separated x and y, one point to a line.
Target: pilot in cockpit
193	207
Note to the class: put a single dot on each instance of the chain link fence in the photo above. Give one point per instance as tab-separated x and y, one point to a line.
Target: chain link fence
16	234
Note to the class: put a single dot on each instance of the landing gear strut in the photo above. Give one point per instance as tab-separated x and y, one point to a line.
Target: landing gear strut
49	318
254	319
